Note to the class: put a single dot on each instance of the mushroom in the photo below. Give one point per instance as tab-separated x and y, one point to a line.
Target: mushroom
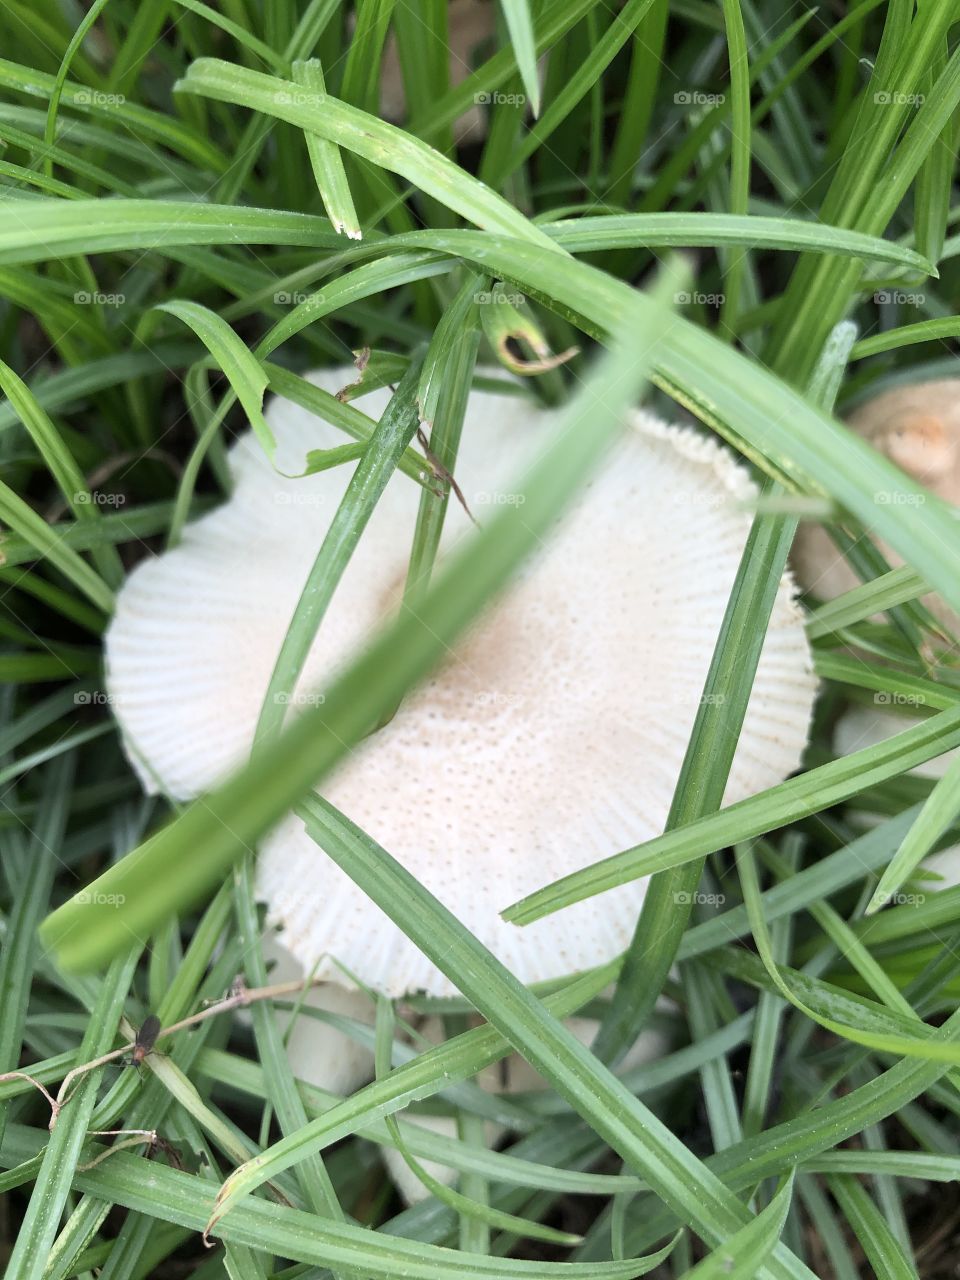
551	737
918	428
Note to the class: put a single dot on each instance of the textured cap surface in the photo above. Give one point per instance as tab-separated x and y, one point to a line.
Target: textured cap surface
551	737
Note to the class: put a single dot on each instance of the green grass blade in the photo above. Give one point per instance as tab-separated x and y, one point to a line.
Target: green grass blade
937	815
326	161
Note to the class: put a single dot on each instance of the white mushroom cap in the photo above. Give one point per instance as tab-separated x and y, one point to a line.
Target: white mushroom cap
918	428
552	737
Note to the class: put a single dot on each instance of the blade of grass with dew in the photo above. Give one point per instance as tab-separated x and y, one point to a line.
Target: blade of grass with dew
715	230
326	161
846	941
523	45
869	1030
196	848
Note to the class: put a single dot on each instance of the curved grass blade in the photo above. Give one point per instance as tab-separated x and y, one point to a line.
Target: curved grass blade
937	816
367	136
242	369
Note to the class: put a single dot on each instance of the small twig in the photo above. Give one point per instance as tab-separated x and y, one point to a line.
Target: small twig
22	1075
137	1136
441	472
239	997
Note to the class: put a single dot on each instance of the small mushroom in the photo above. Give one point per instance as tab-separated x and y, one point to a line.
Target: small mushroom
552	736
918	428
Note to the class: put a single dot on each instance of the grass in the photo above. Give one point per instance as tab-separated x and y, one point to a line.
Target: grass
180	188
